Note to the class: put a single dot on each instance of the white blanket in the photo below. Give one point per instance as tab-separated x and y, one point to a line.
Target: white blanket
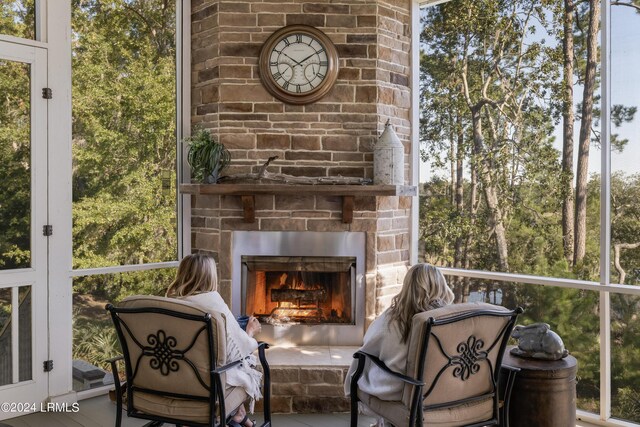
240	346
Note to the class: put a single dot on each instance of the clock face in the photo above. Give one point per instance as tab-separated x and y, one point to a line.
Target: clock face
298	64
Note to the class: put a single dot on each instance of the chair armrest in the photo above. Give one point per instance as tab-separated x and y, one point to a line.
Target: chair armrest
114	369
353	386
120	387
510	368
266	372
226	367
388	370
115	359
262	346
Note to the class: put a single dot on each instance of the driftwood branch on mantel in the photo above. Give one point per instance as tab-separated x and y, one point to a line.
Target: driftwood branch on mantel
266	177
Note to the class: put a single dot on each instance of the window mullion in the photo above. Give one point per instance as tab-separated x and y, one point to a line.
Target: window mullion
605	215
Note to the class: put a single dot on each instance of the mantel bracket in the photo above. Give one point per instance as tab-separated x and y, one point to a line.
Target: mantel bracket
249	208
347	209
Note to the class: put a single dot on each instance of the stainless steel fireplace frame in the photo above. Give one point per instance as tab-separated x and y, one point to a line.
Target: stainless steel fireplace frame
303	243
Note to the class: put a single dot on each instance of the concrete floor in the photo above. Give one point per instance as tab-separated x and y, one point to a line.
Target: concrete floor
100	412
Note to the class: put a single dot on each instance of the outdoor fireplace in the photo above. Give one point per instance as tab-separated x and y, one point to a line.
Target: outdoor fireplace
307	290
304	287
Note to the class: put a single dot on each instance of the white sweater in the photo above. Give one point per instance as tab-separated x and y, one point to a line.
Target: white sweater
382	340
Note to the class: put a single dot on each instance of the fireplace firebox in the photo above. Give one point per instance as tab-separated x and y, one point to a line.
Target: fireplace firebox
307	290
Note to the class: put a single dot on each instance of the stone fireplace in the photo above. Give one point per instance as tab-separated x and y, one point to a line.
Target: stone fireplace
305	287
331	137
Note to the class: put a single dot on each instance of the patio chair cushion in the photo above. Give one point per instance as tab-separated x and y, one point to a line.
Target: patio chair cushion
398	414
183	409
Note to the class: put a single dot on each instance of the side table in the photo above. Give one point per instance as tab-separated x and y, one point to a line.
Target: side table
544	392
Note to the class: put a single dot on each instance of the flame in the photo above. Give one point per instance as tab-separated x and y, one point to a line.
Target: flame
334	309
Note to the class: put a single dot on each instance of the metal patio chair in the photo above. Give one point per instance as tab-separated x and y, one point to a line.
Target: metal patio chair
453	370
175	368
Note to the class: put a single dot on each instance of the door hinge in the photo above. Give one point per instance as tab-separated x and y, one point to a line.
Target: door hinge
47	230
48	365
47	93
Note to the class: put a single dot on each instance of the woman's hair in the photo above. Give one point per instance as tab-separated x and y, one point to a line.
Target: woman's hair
196	274
424	288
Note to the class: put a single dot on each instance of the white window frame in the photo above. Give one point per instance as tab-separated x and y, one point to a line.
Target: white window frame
53	30
604	286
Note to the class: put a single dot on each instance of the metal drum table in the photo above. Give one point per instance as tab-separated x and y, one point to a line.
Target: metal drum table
544	392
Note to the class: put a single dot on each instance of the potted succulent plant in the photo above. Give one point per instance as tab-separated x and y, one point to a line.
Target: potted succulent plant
206	156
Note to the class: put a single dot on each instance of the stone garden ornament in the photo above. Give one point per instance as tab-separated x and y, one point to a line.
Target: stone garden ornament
538	341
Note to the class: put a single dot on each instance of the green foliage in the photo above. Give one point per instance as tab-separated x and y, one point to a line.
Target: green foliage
114	287
206	156
17	18
490	74
15	174
95	342
627	404
124	134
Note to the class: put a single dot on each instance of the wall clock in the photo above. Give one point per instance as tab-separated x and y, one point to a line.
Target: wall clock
298	64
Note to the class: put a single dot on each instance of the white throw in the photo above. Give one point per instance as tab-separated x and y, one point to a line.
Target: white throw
240	346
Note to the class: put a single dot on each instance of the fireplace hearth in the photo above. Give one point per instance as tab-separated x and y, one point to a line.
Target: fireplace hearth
304	287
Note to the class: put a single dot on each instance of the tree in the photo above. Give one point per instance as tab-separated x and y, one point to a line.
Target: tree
586	121
124	137
568	118
481	74
15	143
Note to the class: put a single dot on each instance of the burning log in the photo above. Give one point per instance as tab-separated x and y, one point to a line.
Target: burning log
298	295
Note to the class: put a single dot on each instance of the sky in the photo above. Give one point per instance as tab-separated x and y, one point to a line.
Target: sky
625	90
625	86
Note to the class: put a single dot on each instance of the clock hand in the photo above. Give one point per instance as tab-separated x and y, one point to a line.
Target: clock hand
292	59
314	53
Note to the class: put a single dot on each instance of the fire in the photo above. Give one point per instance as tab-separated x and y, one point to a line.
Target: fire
291	295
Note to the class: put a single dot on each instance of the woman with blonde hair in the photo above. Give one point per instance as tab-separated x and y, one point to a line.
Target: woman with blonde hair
424	288
197	281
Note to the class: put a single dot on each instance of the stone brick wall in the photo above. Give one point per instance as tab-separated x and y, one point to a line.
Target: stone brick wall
306	390
333	136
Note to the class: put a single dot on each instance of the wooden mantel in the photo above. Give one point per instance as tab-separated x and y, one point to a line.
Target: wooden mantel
248	192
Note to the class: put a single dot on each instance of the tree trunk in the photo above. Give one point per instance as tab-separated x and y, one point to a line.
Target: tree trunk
473	209
490	192
585	132
452	166
459	201
568	118
617	248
